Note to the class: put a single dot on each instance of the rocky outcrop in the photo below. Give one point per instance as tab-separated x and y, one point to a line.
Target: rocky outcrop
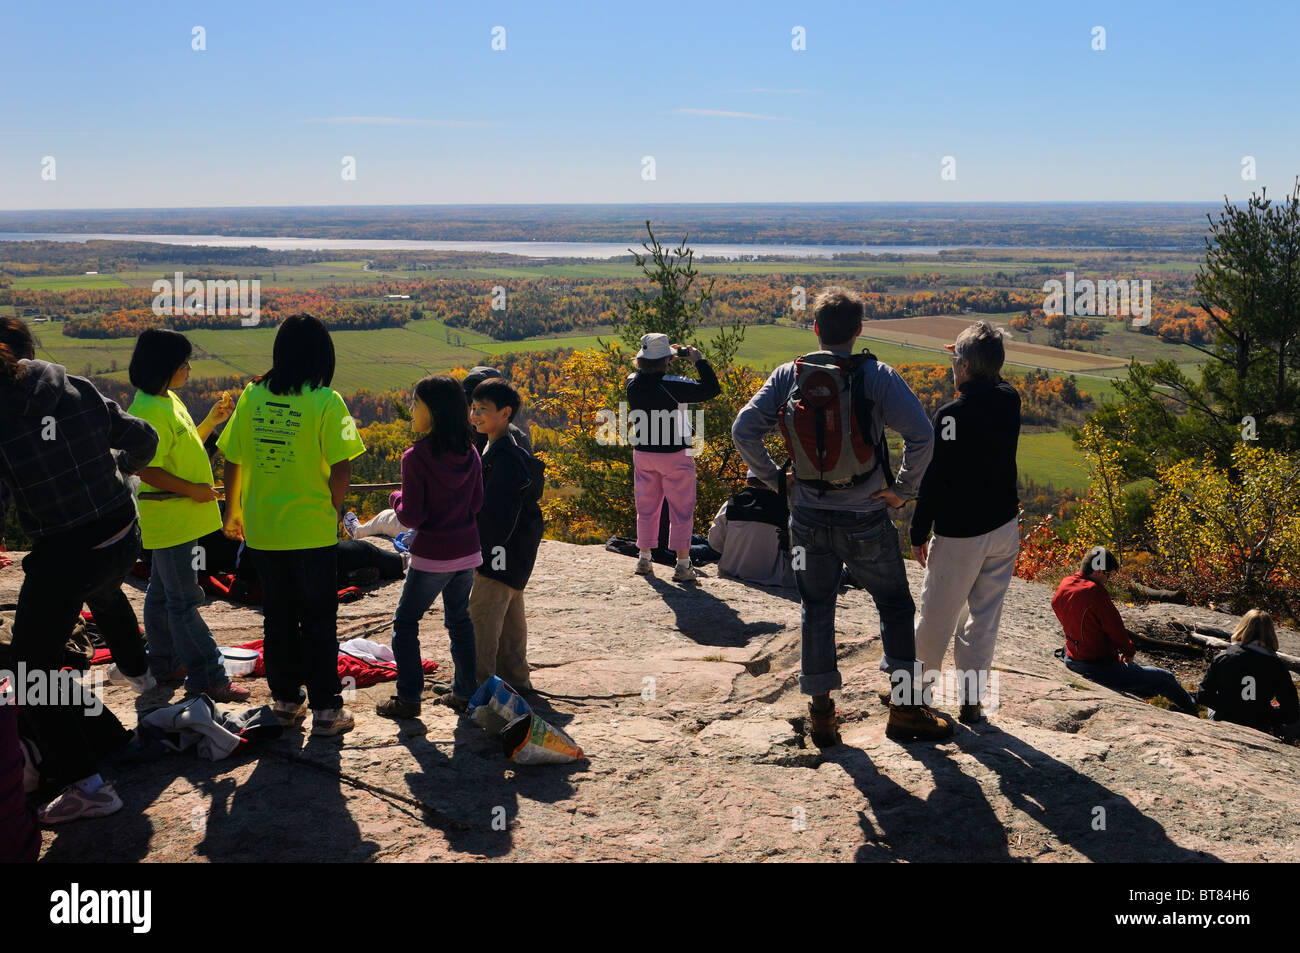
686	701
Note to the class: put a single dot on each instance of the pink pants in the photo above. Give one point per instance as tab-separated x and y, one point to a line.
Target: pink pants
660	476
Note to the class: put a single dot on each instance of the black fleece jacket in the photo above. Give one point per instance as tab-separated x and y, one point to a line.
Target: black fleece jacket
969	489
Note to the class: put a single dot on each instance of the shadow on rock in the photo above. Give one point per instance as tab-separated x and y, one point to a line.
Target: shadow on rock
706	619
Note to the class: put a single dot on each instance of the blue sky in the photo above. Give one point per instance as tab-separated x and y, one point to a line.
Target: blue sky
134	117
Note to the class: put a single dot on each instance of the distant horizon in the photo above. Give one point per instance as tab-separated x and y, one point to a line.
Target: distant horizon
788	204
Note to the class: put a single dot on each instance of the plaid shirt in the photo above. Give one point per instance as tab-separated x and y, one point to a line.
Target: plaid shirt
58	435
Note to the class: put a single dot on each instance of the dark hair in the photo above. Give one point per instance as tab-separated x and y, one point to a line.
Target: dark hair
981	347
653	365
445	398
15	345
159	354
1097	559
501	393
477	375
303	354
838	313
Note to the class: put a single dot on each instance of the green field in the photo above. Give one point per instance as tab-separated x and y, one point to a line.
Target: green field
1050	458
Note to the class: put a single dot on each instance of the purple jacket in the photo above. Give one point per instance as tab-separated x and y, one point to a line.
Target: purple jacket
440	499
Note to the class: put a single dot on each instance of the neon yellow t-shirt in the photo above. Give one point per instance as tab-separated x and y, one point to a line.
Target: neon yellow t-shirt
180	452
285	445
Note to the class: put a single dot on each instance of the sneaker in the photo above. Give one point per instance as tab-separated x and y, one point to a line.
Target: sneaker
823	725
75	803
229	692
685	572
140	683
916	723
289	714
331	721
456	703
397	707
644	565
351	524
971	714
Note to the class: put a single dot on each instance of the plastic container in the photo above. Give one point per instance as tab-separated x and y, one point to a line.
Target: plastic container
239	661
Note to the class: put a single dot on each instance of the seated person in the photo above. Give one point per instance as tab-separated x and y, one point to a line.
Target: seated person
1243	680
751	533
1097	646
383	523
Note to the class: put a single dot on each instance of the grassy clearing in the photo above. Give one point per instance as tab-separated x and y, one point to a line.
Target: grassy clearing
1051	459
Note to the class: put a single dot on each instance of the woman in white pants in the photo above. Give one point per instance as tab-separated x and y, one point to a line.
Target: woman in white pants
969	499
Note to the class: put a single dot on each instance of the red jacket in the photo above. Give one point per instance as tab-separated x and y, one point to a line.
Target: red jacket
1094	631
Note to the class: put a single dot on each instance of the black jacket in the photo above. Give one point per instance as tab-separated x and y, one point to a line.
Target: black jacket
651	392
69	485
1225	682
510	522
969	489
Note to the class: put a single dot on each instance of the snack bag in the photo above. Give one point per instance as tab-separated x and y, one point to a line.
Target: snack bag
496	704
531	740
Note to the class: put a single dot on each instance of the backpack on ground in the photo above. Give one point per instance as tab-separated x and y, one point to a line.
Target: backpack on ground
826	423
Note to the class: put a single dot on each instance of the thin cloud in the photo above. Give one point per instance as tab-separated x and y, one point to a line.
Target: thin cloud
401	121
727	114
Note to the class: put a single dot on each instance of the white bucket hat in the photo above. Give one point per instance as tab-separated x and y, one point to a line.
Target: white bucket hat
654	346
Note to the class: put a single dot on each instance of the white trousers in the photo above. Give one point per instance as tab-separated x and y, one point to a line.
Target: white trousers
384	523
965	583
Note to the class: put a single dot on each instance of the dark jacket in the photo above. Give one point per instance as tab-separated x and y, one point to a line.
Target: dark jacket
440	499
73	484
969	489
519	433
510	522
658	392
1226	681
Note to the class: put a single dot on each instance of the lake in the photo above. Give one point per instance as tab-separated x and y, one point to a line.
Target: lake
601	250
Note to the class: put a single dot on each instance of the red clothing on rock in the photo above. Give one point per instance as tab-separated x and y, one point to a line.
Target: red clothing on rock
1094	631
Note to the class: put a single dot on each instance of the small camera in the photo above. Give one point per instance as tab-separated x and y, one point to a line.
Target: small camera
682	351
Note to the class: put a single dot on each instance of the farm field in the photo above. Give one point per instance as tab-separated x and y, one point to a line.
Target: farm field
936	331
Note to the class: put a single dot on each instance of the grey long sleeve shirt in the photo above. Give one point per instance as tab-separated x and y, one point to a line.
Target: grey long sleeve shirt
894	406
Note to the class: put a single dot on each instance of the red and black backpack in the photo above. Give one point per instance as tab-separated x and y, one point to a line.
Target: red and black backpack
826	423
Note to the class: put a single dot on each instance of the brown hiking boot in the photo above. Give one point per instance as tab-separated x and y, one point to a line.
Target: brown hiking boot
822	725
916	723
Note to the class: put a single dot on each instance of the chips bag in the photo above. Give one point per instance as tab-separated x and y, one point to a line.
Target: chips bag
496	704
531	740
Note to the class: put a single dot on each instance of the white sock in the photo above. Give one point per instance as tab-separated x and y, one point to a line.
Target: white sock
643	553
683	562
91	784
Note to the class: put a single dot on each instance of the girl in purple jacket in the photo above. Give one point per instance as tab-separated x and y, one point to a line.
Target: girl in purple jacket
441	494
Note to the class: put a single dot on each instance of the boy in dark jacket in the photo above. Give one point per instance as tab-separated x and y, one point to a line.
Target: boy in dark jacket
510	532
1244	679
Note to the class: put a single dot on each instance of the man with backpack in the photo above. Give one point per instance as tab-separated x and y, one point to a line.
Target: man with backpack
832	407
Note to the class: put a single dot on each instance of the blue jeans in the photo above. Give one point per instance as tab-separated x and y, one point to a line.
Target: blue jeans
868	545
176	634
1142	680
418	594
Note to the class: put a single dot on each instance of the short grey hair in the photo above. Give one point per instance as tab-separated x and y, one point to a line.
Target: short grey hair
980	347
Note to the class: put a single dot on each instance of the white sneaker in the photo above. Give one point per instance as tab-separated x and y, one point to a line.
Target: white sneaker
75	803
685	572
141	683
644	566
332	721
289	714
